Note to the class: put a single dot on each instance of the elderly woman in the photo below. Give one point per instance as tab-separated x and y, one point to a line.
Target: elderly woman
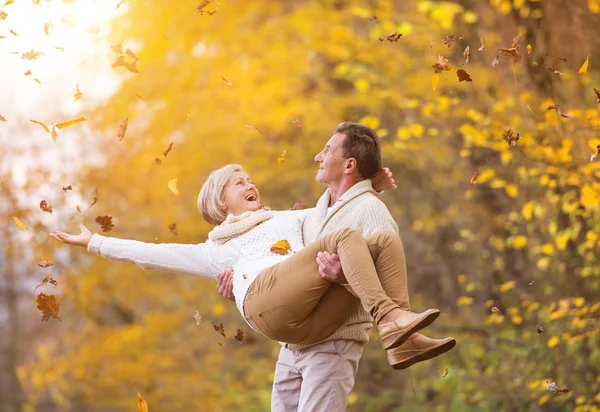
276	282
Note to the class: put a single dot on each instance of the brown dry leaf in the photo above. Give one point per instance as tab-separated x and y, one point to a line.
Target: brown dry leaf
239	335
166	152
54	134
122	129
445	373
394	37
70	123
513	50
31	55
463	76
255	128
281	158
474	178
597	95
95	198
47	279
48	306
105	223
158	161
198	317
281	247
141	403
554	70
45	207
448	40
119	62
297	122
47	27
219	328
46	129
78	95
482	48
510	138
78	208
556	108
495	309
244	276
173	228
132	67
44	263
299	206
539	328
466	55
67	188
228	83
596	153
556	57
441	65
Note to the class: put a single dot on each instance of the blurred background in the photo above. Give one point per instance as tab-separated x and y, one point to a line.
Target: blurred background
503	238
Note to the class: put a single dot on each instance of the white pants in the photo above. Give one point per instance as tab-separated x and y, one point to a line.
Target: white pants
315	379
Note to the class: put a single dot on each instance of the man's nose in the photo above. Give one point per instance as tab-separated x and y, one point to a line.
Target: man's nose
318	157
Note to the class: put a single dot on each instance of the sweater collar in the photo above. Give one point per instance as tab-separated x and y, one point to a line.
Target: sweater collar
234	226
364	186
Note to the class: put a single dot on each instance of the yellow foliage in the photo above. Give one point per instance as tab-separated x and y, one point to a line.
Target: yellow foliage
590	196
506	286
517	320
511	190
371	121
485	175
519	242
464	301
561	241
553	341
218	309
548	248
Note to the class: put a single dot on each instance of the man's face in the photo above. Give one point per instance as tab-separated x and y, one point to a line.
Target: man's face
330	160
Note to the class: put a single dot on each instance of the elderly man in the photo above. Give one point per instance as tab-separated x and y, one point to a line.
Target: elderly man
320	376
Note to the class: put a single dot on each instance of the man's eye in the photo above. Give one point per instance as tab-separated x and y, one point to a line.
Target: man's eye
239	183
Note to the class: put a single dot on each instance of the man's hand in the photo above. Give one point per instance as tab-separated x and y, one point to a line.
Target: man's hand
225	284
330	267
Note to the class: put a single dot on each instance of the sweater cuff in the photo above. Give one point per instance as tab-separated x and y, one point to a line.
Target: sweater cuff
95	242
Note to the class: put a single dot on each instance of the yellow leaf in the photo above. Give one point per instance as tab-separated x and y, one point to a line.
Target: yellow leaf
527	210
511	190
584	66
529	49
8	2
281	247
506	286
579	302
553	341
70	123
435	80
173	186
519	242
20	224
54	134
486	175
142	404
46	129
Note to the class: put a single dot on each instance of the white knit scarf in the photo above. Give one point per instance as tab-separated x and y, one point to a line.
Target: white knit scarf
235	226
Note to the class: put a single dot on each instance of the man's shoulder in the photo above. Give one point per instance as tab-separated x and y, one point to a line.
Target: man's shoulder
368	200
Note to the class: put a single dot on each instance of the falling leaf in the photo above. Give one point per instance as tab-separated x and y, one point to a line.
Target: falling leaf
118	49
47	27
239	335
531	283
141	403
597	95
78	95
556	57
448	40
67	188
482	48
297	123
3	16
554	70
173	228
105	223
584	66
394	37
131	54
45	207
467	54
219	343
281	158
281	247
60	48
122	129
13	32
551	387
70	123
46	129
299	206
38	81
120	4
95	198
219	328
173	186
596	153
140	97
28	73
200	7
54	134
119	62
48	306
44	263
441	65
431	43
495	309
510	138
463	76
78	208
529	49
8	2
474	178
158	161
435	80
20	224
198	317
228	83
166	152
445	373
556	108
255	128
513	50
132	67
47	279
539	328
31	55
2	118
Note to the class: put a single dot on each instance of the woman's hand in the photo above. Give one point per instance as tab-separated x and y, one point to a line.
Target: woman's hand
81	239
383	180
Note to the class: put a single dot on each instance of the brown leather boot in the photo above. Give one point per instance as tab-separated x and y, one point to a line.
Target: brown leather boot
418	348
394	333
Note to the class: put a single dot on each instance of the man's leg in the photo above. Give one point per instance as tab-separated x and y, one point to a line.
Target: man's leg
328	370
286	384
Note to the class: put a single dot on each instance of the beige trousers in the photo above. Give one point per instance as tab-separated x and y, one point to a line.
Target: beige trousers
290	302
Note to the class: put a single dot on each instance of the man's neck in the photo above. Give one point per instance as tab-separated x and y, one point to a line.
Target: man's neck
337	189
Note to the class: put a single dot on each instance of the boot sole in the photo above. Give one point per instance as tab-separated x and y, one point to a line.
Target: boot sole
400	337
430	354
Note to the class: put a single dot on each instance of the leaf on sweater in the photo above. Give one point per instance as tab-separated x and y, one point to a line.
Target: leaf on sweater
44	263
142	404
281	247
47	279
45	207
239	335
48	306
219	328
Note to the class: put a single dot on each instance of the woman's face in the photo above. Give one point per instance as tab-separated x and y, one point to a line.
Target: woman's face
241	195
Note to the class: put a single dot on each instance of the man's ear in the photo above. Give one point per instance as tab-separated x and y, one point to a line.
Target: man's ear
351	166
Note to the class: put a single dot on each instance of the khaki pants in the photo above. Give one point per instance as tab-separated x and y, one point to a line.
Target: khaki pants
290	302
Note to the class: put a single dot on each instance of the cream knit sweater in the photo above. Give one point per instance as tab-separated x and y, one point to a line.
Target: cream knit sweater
241	242
360	209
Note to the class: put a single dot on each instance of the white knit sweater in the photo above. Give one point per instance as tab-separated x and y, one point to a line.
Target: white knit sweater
241	242
358	208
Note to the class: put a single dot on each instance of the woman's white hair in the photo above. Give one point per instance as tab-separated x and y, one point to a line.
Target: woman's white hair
211	198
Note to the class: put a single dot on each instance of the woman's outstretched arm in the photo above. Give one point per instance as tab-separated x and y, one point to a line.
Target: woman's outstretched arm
186	259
